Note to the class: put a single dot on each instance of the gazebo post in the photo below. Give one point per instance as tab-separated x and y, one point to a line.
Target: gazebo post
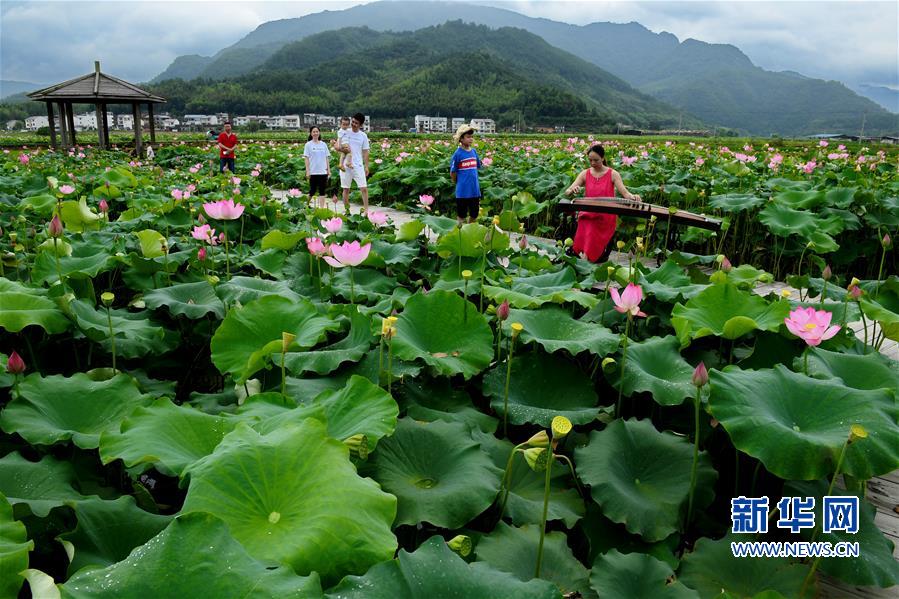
101	125
71	110
52	125
152	123
106	125
138	142
63	126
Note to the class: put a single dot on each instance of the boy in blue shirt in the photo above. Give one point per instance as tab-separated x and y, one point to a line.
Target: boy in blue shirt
464	167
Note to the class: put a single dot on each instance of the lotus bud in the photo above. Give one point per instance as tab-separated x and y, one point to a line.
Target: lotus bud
517	327
466	274
55	228
523	243
810	245
620	245
107	298
720	258
886	242
201	254
103	206
461	544
286	340
569	242
856	432
700	376
826	274
537	458
540	439
609	364
561	426
15	364
358	445
502	311
855	292
726	266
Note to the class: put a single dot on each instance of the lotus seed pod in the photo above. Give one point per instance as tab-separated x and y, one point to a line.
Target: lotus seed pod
609	364
358	445
517	327
107	298
466	274
537	458
561	426
461	544
856	432
540	439
286	340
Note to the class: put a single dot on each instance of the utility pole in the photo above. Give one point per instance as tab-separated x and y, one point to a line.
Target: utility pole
862	132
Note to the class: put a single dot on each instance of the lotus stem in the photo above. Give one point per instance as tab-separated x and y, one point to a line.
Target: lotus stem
549	467
823	294
571	469
380	358
465	301
508	378
283	373
805	361
507	480
240	245
499	340
111	338
389	364
483	269
227	257
58	268
696	406
352	287
627	330
883	256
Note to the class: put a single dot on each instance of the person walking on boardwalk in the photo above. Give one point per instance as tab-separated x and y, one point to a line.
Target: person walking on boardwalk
227	141
464	167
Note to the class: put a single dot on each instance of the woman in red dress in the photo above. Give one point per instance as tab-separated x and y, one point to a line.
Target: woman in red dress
595	230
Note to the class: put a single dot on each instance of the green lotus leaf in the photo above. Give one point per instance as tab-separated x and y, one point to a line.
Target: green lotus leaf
514	550
885	312
77	216
525	502
624	576
42	204
41	486
668	283
875	565
868	371
360	407
746	276
797	426
193	300
735	202
327	359
119	176
164	435
86	261
547	283
151	243
437	399
655	366
469	241
437	328
56	408
785	221
107	531
725	311
366	283
439	224
603	535
157	568
270	261
711	569
516	300
432	571
840	197
409	231
59	247
14	548
294	496
395	253
800	199
19	310
641	477
554	329
541	387
252	333
136	334
437	472
243	290
280	240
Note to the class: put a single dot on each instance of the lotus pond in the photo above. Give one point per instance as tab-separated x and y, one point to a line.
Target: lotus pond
208	390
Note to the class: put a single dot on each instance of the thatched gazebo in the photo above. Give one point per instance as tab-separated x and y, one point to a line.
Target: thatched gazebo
100	90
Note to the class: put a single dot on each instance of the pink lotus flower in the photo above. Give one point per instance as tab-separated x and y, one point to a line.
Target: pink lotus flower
378	219
254	173
700	375
315	246
700	162
294	192
66	189
55	228
823	143
177	194
487	161
191	188
193	169
201	254
628	160
235	180
15	364
812	326
205	233
224	210
629	301
333	225
348	254
809	166
426	200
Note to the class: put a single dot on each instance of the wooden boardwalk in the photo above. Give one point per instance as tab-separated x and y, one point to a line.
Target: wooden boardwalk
883	491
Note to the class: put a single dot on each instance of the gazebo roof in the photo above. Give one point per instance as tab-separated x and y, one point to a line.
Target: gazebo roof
92	88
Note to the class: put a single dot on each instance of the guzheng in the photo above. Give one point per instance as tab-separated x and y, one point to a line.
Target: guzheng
623	207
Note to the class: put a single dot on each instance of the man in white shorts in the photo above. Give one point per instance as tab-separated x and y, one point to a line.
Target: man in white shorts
356	169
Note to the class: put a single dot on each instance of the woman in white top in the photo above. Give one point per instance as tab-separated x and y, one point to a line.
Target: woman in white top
318	163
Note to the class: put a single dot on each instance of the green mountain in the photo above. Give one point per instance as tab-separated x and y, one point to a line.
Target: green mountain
697	77
452	69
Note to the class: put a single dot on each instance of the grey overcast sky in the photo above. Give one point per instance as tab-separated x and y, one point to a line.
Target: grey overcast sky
48	41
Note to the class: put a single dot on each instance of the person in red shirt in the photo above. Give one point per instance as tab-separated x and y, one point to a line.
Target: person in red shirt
227	141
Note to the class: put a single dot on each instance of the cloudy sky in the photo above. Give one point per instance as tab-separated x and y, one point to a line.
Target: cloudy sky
45	42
